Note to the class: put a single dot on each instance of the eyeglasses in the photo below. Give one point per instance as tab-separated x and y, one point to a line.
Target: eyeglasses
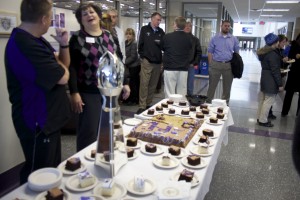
114	16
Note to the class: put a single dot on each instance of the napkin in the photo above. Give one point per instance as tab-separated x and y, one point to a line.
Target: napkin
175	190
219	102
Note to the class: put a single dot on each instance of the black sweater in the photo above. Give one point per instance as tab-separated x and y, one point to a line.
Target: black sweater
177	47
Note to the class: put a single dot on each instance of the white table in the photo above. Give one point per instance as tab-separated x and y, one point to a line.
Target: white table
143	165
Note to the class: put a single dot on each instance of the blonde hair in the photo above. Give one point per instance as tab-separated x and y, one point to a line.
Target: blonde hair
131	32
106	22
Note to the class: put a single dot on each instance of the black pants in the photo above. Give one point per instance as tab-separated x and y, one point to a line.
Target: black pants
40	151
134	83
288	101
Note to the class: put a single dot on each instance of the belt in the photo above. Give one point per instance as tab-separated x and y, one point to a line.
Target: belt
223	61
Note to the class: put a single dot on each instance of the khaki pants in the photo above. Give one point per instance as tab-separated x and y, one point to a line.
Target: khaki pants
148	80
216	69
264	104
175	82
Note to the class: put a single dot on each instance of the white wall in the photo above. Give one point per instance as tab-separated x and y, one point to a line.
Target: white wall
10	148
11	152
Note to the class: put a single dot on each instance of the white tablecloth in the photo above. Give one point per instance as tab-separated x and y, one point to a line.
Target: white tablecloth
143	165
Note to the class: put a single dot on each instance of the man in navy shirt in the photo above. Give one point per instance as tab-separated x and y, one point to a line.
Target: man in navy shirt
36	78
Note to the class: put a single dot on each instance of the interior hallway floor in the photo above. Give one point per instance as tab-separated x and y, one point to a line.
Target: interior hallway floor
257	162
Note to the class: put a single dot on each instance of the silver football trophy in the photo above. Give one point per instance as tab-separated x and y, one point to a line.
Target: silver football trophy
110	76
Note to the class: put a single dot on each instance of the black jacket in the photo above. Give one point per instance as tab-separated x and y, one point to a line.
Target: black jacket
177	47
292	83
196	54
149	44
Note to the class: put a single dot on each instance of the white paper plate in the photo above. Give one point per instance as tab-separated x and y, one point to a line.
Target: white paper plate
62	168
119	192
173	162
196	139
181	115
220	122
135	155
87	155
195	180
177	104
182	153
215	109
44	179
138	145
194	150
224	119
166	112
42	195
159	150
184	161
216	135
73	184
145	113
132	121
150	187
290	61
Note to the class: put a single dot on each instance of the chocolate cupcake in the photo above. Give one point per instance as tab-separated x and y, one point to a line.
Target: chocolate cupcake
213	120
171	111
199	115
192	108
150	112
164	105
170	101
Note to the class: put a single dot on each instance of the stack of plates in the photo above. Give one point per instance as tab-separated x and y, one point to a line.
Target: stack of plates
176	97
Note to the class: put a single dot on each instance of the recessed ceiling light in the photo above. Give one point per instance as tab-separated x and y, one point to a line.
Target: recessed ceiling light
68	6
271	15
276	10
284	2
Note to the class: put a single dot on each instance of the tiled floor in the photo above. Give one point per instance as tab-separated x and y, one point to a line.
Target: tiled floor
256	164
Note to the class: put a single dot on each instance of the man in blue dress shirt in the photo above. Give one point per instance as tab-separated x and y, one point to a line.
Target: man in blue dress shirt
220	50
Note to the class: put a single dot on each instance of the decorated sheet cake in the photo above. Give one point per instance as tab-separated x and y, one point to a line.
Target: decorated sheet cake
167	130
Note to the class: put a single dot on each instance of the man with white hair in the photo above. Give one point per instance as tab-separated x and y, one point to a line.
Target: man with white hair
118	32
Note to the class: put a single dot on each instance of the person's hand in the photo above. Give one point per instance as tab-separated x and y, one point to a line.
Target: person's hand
76	102
62	36
285	59
195	66
297	56
281	89
126	92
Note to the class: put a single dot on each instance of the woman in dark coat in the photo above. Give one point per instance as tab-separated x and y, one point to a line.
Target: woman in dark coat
133	64
292	83
270	82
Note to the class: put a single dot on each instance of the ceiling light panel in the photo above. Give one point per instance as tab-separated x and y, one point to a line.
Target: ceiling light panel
271	15
283	2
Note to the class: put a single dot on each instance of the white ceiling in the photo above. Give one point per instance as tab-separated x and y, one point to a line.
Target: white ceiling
239	10
243	10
